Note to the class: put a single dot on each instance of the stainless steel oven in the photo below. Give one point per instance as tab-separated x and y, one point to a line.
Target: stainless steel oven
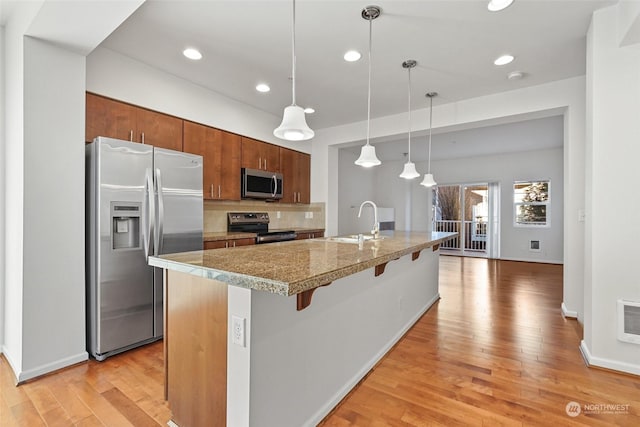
257	223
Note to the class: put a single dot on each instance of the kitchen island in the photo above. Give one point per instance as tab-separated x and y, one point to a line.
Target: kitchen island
247	345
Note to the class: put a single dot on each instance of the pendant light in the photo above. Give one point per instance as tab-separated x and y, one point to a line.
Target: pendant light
409	171
368	156
294	125
428	180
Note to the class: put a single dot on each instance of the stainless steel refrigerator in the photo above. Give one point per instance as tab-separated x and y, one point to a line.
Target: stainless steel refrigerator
141	201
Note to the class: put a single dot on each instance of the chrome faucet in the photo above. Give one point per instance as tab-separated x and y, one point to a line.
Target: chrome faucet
376	225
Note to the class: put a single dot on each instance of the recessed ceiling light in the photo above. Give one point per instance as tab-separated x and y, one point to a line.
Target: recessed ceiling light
515	75
498	5
192	53
262	87
504	60
352	56
309	110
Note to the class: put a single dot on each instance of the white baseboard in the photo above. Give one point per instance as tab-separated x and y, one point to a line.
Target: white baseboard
615	365
10	360
335	400
50	367
568	313
538	260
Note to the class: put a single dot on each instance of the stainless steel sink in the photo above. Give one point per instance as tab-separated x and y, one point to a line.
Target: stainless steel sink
353	238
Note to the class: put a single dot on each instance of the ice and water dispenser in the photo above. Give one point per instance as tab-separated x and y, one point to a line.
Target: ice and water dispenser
125	225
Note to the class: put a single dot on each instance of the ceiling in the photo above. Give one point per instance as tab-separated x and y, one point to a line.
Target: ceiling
453	41
529	135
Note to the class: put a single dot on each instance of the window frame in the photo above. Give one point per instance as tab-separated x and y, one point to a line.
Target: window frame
546	203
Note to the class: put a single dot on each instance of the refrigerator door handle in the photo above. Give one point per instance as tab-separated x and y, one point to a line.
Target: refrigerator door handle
160	223
148	214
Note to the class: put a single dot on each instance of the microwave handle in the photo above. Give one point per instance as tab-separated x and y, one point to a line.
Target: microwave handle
275	185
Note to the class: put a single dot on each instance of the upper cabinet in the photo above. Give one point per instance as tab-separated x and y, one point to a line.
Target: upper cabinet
224	153
115	119
260	155
296	171
106	117
221	152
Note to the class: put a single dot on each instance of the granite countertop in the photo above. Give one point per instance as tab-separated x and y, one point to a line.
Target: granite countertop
289	268
228	235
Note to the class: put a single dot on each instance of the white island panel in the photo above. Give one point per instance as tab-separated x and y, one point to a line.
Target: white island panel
302	363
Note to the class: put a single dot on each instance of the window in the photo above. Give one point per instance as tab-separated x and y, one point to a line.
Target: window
531	203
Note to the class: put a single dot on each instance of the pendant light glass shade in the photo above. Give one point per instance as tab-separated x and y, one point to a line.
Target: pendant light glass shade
368	156
409	171
294	125
428	180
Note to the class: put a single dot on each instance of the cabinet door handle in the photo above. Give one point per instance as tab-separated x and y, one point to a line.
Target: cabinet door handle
131	135
226	244
143	137
219	192
259	162
212	191
234	243
265	164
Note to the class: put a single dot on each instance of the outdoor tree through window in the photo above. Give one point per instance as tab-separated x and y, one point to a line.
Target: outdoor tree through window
531	203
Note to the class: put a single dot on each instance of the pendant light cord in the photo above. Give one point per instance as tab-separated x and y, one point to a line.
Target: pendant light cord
430	126
409	90
369	87
293	54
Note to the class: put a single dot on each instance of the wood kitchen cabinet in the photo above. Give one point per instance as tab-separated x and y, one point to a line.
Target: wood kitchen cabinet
231	243
221	152
302	235
296	176
260	155
115	119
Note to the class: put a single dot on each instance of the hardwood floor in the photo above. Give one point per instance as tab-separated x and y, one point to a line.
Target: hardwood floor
124	390
494	350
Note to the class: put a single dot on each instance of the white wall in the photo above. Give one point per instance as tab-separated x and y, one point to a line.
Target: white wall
613	131
13	169
356	186
54	284
2	186
120	77
44	283
506	169
565	97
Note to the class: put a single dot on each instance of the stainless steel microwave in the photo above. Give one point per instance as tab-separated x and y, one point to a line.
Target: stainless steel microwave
257	184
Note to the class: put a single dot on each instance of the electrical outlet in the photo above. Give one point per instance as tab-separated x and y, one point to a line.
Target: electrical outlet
278	215
237	330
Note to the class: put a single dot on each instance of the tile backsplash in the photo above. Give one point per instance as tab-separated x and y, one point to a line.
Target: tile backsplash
281	215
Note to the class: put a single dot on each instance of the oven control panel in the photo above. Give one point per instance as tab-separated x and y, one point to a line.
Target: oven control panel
247	218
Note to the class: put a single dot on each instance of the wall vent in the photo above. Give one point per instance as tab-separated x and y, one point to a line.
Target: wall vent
535	245
629	321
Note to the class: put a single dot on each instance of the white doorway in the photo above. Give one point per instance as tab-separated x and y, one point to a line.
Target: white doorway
470	210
